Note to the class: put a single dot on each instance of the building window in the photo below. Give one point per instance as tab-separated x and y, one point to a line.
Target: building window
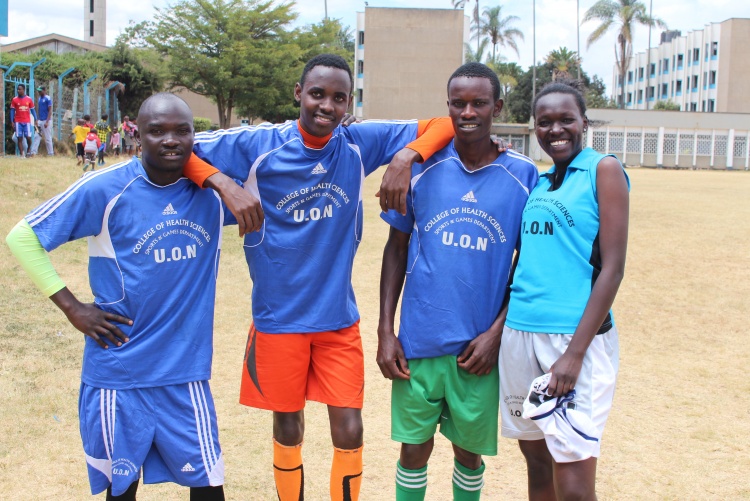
680	58
678	87
640	73
706	52
703	105
711	105
91	6
653	70
640	96
665	65
664	90
619	80
361	38
695	83
91	28
360	67
360	95
693	106
714	49
650	93
712	78
630	98
630	77
696	55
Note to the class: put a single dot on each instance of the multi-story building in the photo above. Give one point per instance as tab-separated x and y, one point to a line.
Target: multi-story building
409	56
706	70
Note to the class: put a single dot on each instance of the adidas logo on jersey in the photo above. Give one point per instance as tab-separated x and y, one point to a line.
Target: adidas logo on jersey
188	467
169	210
469	197
319	169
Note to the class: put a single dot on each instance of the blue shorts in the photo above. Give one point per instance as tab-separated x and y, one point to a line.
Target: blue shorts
169	431
23	129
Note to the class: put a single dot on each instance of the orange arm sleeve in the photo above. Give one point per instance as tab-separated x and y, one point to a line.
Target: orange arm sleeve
197	170
432	136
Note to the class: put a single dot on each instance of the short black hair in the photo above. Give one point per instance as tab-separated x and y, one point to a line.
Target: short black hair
21	85
329	60
478	70
564	86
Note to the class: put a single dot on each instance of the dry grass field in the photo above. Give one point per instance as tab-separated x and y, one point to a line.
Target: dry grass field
680	427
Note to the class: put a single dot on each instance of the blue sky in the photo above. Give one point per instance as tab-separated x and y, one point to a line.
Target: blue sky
555	19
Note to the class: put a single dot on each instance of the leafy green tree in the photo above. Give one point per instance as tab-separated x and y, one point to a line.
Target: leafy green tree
624	15
666	106
276	102
131	68
498	29
563	62
227	50
596	94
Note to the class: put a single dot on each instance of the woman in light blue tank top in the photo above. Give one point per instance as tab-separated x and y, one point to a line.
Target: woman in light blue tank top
572	260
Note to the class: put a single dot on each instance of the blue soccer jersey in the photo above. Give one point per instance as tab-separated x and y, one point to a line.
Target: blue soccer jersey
153	258
560	229
301	260
464	228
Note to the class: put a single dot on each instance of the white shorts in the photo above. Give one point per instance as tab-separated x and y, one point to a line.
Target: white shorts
525	356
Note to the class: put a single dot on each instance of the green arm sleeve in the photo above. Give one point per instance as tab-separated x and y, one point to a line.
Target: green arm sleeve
25	245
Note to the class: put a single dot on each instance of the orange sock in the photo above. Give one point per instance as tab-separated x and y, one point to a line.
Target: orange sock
287	472
346	474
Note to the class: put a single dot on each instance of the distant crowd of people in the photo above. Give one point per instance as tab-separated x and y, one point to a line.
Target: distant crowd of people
32	124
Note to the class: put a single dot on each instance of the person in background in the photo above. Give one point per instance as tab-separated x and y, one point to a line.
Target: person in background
21	112
44	123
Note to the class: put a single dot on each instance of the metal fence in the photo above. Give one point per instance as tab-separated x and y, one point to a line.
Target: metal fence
677	148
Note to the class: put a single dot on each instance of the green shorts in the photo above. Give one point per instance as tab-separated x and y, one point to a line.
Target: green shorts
465	405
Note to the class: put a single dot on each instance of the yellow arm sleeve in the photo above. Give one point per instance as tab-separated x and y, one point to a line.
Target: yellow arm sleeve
25	245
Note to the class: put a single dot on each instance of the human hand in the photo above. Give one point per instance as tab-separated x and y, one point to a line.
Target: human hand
564	374
396	181
246	208
390	357
502	145
480	357
348	119
98	324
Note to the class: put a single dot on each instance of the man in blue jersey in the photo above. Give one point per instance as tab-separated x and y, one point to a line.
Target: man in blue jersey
145	402
44	123
456	243
308	177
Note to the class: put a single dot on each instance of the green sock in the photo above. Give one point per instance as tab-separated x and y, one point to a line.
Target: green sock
411	485
467	484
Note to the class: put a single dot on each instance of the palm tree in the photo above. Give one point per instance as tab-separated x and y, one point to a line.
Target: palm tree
563	61
478	56
623	14
498	29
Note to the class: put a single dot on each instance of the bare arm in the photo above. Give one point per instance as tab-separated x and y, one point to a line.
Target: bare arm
613	197
390	357
245	207
482	353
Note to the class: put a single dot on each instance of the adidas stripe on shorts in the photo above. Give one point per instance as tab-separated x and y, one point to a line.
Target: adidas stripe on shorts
168	431
525	356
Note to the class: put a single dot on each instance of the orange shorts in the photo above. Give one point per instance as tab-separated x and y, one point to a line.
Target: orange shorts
281	371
